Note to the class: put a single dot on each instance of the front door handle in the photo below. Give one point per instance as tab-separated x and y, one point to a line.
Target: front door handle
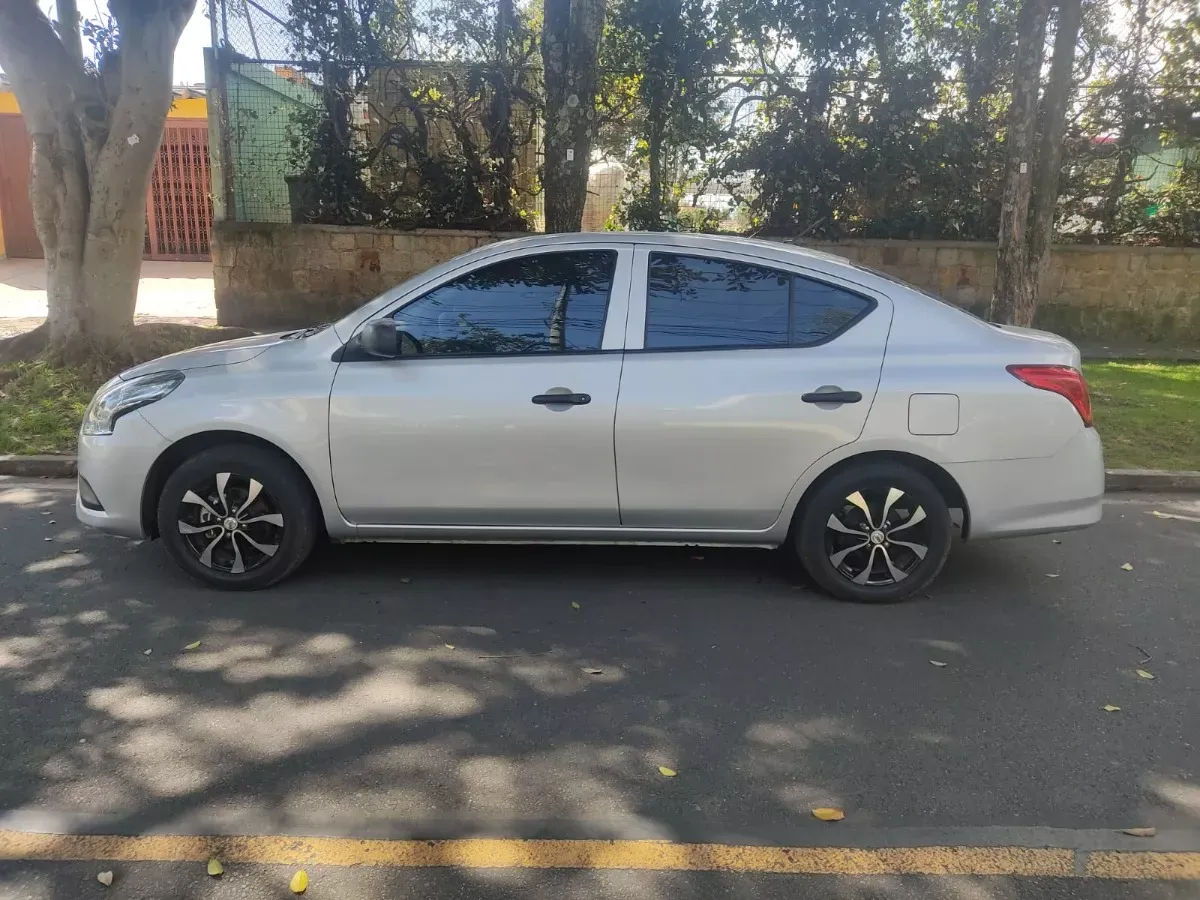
566	399
831	396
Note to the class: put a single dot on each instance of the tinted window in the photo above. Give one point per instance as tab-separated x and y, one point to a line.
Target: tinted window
820	310
697	302
533	304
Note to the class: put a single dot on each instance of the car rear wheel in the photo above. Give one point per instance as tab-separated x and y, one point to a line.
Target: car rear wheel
874	533
237	517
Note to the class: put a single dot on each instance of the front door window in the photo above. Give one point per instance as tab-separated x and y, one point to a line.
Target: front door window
549	303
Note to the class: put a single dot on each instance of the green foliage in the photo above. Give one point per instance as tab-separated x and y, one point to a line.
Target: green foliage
857	118
440	142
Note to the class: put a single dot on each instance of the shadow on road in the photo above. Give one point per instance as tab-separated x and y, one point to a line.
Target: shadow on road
424	691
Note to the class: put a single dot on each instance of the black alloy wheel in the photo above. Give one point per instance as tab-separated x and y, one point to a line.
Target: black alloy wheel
238	517
876	533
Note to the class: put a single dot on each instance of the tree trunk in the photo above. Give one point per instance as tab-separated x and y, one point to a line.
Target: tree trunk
661	87
570	49
1013	278
1049	167
93	155
1131	117
501	137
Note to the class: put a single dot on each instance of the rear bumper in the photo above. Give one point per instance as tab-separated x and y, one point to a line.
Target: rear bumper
1033	496
116	466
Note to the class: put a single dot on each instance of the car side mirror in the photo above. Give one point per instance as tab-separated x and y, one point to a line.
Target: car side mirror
381	338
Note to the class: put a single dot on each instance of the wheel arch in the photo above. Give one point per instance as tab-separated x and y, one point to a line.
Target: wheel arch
942	480
185	448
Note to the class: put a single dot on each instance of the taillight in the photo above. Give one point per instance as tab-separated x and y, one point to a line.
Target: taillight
1061	380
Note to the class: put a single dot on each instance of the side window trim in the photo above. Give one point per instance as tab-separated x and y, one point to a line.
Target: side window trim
639	297
616	313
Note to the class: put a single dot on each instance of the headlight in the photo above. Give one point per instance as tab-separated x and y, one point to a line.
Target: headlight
119	397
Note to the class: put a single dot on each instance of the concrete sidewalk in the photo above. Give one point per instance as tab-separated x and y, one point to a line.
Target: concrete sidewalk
168	290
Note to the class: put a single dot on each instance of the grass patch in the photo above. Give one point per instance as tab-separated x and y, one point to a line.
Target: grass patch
42	401
1148	413
41	407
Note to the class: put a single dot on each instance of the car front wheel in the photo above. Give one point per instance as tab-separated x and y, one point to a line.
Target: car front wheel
237	517
874	533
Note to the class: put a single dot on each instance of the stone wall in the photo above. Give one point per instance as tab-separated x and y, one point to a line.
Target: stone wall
284	276
289	275
1125	295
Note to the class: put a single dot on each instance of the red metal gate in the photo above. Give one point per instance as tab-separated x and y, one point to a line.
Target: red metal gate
179	206
16	209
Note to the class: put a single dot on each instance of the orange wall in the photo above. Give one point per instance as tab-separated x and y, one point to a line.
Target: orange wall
182	108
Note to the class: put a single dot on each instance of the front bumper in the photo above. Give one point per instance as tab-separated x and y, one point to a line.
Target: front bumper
1012	497
116	466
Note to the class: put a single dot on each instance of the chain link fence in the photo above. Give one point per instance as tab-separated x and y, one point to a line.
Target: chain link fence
326	121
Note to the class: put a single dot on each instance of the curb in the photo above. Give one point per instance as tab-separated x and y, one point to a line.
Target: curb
1115	480
38	466
1151	480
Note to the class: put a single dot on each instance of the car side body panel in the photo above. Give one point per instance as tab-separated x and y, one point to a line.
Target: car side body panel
280	396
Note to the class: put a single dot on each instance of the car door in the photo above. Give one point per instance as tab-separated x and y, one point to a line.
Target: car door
724	353
499	409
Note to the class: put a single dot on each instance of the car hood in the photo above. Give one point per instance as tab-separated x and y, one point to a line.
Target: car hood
222	354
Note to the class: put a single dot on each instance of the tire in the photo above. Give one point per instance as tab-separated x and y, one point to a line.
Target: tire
278	525
835	557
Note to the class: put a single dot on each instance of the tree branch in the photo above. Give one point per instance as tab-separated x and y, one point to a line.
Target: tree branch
68	28
44	77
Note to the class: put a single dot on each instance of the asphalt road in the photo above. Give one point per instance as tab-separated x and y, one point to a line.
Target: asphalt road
423	692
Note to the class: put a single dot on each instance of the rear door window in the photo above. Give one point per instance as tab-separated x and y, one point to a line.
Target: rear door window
696	302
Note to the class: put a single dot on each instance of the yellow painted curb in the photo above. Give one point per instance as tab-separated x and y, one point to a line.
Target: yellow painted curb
653	856
1157	866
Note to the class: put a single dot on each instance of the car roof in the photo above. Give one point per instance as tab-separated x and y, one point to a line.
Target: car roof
693	240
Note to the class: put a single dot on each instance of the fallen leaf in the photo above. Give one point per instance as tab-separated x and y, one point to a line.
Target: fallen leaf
299	882
667	773
406	581
574	605
147	652
1110	708
194	645
105	878
829	814
1128	567
593	671
215	868
448	646
1142	673
938	663
1141	832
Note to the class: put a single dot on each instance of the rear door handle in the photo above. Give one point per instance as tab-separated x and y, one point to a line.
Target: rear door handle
831	397
566	399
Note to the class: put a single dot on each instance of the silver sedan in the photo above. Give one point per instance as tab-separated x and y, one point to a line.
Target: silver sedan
607	388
